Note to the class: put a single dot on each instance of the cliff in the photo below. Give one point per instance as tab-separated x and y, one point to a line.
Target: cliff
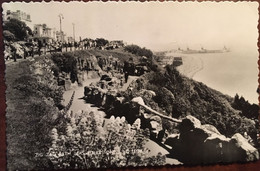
178	96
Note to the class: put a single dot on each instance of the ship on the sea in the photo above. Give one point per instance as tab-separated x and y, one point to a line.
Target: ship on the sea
203	50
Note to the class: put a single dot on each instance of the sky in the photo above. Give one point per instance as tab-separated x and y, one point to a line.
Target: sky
154	25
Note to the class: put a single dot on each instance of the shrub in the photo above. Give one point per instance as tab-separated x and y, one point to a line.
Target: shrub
101	42
18	28
30	86
134	49
179	96
8	35
248	110
86	140
66	62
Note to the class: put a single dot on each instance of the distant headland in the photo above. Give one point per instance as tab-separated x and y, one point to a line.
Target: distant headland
202	50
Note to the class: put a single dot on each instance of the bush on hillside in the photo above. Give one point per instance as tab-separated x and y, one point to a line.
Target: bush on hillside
30	86
8	35
20	30
181	96
134	49
85	140
248	110
66	62
101	42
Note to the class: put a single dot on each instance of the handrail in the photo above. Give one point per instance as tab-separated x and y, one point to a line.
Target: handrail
139	101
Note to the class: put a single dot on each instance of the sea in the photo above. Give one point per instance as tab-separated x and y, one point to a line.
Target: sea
234	72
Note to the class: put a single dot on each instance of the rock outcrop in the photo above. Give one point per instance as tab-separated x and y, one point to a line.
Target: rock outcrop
195	143
198	144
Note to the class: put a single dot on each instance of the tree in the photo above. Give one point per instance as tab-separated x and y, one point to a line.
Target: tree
18	28
8	35
101	42
134	49
248	110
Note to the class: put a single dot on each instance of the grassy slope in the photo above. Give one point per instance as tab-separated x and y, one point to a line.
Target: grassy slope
30	108
18	123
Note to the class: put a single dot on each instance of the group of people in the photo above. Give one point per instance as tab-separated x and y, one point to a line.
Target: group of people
15	50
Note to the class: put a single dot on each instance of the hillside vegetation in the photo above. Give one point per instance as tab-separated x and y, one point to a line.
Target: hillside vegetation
179	96
35	109
32	98
39	125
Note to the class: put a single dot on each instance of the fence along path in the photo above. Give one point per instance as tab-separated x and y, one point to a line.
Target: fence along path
140	102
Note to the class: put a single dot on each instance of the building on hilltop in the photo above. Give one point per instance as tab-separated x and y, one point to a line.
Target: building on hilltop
70	39
60	36
19	15
44	34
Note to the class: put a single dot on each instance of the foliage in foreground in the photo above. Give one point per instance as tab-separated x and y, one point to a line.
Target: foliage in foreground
87	140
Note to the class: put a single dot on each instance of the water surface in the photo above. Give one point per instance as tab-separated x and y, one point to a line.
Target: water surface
230	73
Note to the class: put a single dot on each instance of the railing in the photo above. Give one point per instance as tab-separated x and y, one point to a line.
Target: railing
140	102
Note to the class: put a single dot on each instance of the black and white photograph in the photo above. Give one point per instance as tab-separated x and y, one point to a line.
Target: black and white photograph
93	85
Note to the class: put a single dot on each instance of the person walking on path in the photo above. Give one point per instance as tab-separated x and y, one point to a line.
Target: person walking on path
125	70
126	76
65	45
32	50
14	53
39	47
24	53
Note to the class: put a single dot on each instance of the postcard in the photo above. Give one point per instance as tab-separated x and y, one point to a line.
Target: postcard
129	84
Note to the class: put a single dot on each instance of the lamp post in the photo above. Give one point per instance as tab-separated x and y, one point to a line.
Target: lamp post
73	31
61	33
60	17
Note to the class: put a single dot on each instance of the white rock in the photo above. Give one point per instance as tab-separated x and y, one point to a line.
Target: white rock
138	100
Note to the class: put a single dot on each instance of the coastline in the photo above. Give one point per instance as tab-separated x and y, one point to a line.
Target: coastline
223	72
191	66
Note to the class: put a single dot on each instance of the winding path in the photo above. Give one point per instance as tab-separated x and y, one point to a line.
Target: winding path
80	104
129	81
